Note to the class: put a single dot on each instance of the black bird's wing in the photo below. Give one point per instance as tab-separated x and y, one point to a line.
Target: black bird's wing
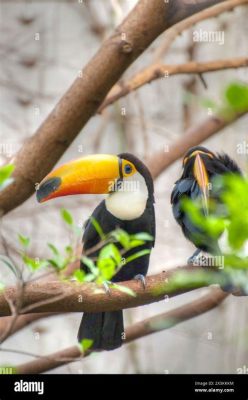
188	188
230	164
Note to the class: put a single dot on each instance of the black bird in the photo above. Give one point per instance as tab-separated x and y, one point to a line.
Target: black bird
129	205
200	167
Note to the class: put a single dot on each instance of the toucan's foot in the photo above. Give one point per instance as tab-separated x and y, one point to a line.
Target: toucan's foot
192	260
142	279
201	261
106	287
228	288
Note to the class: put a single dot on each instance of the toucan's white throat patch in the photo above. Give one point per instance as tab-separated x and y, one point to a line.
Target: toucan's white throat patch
129	201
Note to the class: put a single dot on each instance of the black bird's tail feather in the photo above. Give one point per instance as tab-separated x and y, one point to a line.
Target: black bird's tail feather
105	329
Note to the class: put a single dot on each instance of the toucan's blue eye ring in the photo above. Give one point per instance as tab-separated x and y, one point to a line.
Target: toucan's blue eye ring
128	169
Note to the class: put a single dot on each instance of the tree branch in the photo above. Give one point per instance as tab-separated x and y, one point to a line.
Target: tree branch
192	137
59	296
144	24
141	329
22	321
171	34
156	71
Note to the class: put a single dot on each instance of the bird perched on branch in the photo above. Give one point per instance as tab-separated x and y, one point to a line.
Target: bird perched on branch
200	167
129	205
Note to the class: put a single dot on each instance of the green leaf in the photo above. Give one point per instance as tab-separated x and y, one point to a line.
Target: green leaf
139	254
208	103
122	237
144	236
125	289
66	216
5	173
108	260
69	250
90	264
106	268
86	344
53	248
89	278
54	263
236	95
2	286
135	243
79	275
34	263
24	240
110	251
97	227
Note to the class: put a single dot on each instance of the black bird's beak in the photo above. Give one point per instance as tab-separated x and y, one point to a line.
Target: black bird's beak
201	176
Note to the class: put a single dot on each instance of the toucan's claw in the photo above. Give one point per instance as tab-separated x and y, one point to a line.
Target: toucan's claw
192	260
106	287
142	279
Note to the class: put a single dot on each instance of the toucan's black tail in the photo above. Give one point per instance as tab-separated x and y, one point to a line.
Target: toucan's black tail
105	329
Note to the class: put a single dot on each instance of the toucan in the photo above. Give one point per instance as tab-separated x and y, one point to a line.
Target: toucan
200	167
129	205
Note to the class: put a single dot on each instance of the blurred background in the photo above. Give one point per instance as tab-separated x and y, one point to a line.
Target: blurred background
43	46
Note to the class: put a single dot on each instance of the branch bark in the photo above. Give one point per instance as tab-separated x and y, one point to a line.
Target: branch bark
156	71
144	24
22	321
192	137
62	296
141	329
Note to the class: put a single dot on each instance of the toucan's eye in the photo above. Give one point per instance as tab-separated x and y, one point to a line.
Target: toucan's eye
128	169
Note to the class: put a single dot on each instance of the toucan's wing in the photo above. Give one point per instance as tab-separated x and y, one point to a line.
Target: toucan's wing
152	225
183	187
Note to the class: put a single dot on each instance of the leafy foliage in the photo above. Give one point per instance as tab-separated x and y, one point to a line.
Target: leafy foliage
234	100
113	248
85	344
231	220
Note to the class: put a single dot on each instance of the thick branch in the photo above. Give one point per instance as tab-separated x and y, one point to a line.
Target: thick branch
144	24
192	137
158	70
148	326
74	297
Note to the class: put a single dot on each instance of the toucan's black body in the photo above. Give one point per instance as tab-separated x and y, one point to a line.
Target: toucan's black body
188	186
106	329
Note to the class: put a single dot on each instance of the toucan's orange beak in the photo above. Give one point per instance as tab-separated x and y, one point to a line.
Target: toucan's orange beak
201	176
94	174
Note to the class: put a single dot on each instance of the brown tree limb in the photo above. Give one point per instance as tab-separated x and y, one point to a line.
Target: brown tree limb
161	160
158	70
59	296
140	329
22	321
171	34
144	23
